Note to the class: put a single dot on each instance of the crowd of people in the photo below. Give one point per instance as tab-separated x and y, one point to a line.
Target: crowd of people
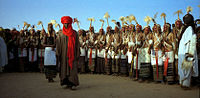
142	53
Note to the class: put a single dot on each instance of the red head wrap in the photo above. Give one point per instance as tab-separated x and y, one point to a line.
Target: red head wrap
69	32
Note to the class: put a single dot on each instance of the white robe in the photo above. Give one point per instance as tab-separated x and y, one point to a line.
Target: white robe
3	53
188	41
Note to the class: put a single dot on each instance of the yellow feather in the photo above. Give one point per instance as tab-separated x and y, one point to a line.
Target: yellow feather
28	25
128	19
163	15
132	17
93	19
25	23
56	25
122	18
114	21
178	13
102	20
147	19
106	15
39	22
53	22
189	9
89	19
155	16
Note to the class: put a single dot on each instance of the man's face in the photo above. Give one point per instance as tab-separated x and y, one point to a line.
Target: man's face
116	29
123	29
178	24
146	30
126	28
80	32
165	28
159	29
138	28
101	31
66	25
108	29
131	28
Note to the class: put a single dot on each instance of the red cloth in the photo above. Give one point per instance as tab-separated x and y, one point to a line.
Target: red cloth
69	32
90	59
165	66
157	63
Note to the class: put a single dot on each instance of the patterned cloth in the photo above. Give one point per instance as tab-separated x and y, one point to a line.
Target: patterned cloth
50	72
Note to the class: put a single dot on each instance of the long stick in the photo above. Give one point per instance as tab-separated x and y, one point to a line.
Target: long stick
107	21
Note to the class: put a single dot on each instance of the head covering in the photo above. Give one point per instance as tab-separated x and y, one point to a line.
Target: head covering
69	32
188	19
139	26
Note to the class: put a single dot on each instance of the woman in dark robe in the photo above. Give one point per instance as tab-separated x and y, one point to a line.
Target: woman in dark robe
67	52
50	55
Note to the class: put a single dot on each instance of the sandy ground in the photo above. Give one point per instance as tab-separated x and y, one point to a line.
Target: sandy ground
34	85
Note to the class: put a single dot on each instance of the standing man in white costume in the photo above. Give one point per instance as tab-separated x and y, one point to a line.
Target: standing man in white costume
187	54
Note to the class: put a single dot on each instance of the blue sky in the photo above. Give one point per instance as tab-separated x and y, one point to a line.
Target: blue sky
15	12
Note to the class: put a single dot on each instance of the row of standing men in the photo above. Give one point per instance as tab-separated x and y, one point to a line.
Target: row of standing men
141	54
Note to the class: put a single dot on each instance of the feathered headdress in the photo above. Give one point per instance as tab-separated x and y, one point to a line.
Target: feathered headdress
28	25
122	19
58	25
147	19
101	20
114	21
126	19
131	18
40	23
134	19
178	13
77	22
189	9
25	24
91	20
154	18
53	22
163	15
106	15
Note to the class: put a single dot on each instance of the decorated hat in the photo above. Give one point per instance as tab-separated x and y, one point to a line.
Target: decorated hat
91	20
147	19
106	15
77	22
178	13
163	15
101	20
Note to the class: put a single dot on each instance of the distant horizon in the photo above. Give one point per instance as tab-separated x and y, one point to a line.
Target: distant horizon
15	12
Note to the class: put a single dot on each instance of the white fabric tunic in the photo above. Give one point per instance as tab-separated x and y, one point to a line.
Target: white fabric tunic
49	57
188	41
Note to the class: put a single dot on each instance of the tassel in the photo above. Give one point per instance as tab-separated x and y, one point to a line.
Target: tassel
90	59
106	60
165	66
157	63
